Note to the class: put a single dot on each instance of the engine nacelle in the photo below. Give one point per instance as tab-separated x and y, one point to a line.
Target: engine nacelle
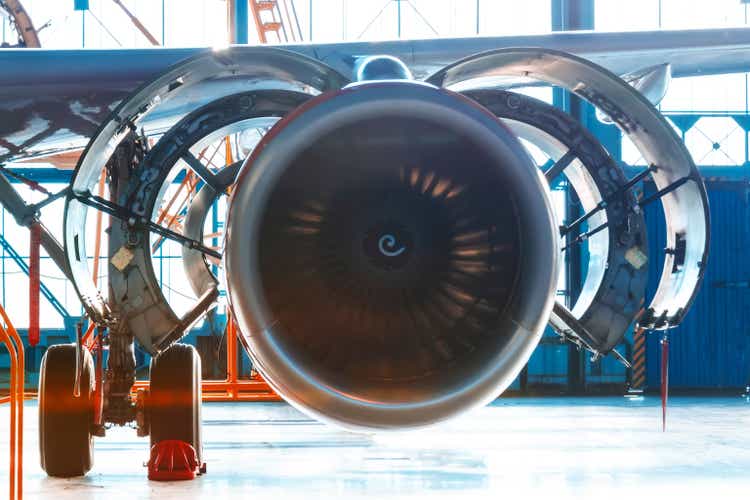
391	258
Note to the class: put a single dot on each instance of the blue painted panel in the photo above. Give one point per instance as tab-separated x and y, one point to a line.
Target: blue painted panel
606	371
710	349
548	364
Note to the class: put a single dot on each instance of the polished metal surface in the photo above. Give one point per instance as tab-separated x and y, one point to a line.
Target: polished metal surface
378	385
653	82
335	393
197	265
380	67
200	79
685	206
205	126
613	288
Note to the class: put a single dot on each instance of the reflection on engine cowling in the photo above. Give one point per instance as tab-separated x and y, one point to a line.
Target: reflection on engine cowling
390	256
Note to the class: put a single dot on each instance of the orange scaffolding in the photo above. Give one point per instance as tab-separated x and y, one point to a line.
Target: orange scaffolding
12	341
278	17
232	388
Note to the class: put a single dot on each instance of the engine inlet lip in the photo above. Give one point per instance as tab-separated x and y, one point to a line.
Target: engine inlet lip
270	159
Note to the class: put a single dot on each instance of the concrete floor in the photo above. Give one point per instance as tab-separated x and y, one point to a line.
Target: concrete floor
553	448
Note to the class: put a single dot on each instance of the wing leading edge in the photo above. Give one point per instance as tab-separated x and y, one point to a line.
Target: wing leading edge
54	100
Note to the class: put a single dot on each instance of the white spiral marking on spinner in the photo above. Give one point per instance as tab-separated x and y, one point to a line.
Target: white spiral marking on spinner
387	244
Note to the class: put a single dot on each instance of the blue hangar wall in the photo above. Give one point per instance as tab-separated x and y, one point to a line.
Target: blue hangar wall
711	348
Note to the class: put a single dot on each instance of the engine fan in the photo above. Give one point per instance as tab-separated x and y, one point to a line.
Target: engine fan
398	253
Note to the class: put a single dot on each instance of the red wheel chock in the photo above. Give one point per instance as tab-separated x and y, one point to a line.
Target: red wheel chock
173	460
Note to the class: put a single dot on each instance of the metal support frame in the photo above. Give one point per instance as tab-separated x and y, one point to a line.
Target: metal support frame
573	15
685	208
25	215
138	24
42	287
280	18
122	213
232	388
605	195
239	21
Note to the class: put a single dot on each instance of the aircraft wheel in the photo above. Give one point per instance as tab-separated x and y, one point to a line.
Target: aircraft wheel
175	397
66	445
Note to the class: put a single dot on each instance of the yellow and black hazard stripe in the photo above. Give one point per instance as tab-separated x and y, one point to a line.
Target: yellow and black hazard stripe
638	360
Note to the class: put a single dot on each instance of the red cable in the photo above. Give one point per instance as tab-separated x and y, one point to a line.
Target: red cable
99	377
34	243
664	380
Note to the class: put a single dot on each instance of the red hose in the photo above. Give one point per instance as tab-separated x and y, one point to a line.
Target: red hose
664	380
34	246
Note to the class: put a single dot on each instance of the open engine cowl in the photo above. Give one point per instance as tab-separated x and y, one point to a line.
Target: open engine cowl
390	256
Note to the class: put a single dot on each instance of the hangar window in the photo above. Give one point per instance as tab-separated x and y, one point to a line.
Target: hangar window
715	140
15	282
635	15
415	19
707	94
687	14
194	23
707	111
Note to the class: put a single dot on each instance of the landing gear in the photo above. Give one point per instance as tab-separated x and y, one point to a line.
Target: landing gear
174	409
170	411
65	418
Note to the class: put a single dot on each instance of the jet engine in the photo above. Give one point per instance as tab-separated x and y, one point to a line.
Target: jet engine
390	255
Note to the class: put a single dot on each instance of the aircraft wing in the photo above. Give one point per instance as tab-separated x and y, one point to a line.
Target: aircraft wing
53	100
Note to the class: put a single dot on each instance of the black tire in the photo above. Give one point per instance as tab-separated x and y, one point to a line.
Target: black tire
66	445
174	400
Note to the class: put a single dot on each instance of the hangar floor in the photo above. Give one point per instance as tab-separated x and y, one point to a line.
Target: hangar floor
517	447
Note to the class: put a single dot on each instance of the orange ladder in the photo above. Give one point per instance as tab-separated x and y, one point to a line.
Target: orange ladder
278	17
9	336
